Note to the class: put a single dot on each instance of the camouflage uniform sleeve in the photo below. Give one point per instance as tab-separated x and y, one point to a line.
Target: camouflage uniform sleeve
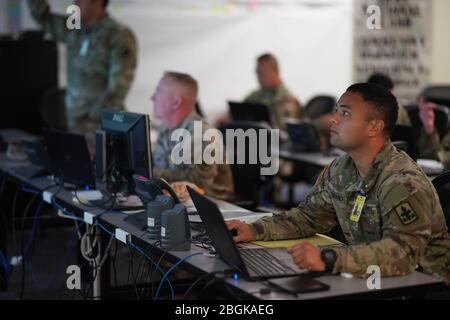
51	23
444	153
429	145
403	117
121	74
406	225
202	174
251	96
315	215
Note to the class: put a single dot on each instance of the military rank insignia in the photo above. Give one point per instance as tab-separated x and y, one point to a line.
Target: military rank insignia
406	214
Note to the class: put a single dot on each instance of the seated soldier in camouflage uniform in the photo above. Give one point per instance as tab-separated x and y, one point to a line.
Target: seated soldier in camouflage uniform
174	104
387	208
101	60
430	145
273	93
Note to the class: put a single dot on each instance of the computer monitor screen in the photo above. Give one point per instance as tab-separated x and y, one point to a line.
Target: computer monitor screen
128	149
246	111
69	158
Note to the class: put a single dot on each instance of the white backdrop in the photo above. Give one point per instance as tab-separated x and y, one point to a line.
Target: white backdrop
217	42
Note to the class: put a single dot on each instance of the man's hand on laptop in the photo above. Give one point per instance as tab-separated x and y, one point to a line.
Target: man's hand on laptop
244	231
307	256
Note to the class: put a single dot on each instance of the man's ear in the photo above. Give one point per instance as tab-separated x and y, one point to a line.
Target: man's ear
376	127
177	102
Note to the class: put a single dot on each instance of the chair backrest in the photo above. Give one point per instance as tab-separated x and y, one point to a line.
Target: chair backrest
403	138
438	95
441	118
303	136
319	106
52	109
248	181
442	185
199	109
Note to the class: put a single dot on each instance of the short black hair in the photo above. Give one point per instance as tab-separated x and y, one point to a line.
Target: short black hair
105	3
382	80
270	58
383	101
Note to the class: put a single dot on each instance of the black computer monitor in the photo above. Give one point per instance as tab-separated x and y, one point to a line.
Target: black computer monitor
69	158
249	111
127	148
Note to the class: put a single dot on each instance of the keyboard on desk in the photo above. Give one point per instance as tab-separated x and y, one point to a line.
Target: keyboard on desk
263	264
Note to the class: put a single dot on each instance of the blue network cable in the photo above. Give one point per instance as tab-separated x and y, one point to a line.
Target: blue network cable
34	228
65	211
170	270
5	263
157	267
141	252
104	229
25	189
50	284
33	234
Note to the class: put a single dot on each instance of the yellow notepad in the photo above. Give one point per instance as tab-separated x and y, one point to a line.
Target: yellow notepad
318	240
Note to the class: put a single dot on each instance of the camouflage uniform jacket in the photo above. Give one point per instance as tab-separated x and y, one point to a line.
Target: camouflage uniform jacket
401	225
215	179
101	61
282	104
431	147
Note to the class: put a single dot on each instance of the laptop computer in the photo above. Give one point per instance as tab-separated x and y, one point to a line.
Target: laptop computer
303	136
69	158
246	111
252	264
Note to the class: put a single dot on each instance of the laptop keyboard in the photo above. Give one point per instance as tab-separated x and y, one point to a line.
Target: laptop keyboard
263	263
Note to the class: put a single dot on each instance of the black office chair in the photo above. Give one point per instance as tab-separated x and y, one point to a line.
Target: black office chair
403	137
52	109
319	106
249	184
441	118
442	185
199	109
438	95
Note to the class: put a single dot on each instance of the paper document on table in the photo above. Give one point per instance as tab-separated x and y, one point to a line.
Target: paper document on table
243	216
430	166
318	240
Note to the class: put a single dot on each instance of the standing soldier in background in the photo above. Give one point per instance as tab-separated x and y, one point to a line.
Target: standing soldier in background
101	60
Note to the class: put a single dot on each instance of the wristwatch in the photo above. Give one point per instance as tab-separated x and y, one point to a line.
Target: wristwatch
329	257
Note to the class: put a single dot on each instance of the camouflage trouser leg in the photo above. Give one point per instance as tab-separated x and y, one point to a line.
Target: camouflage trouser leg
85	126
